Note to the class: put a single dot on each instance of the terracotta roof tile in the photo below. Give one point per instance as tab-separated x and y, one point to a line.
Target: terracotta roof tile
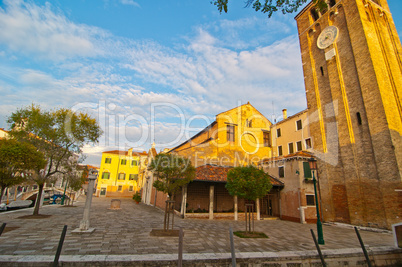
215	173
119	152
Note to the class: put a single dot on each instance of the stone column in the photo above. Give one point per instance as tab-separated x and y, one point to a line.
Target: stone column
257	203
211	202
84	224
236	216
184	201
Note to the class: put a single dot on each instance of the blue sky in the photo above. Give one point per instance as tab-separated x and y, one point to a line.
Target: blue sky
149	70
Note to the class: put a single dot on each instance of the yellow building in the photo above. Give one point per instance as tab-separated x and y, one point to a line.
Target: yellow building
238	137
118	173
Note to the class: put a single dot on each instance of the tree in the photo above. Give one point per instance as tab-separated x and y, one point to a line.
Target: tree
271	6
59	135
172	172
76	181
17	160
248	183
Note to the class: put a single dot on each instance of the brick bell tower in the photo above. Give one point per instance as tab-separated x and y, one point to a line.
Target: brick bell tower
352	62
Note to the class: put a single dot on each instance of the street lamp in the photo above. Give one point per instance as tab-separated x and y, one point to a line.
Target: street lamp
313	167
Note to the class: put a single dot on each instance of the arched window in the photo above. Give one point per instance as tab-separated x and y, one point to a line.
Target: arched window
314	14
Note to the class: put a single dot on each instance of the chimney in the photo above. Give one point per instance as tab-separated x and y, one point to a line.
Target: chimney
285	113
130	152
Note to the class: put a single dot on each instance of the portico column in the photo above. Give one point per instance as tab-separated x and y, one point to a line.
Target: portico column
257	203
211	202
235	208
184	201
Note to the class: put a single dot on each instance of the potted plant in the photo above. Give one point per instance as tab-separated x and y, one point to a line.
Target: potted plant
137	197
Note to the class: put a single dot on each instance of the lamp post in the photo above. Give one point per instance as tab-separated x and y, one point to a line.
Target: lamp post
313	167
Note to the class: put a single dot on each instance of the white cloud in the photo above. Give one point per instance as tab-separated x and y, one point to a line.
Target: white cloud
30	29
130	3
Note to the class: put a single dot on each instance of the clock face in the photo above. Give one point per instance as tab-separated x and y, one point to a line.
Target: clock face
327	37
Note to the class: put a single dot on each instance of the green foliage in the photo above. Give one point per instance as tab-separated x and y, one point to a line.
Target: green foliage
172	172
271	6
17	161
248	182
59	135
137	197
245	234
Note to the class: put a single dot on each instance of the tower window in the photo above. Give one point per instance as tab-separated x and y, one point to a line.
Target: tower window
322	71
368	16
314	14
359	118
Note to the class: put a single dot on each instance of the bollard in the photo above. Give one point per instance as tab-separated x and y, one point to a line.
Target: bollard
2	228
180	261
232	249
56	258
363	248
318	248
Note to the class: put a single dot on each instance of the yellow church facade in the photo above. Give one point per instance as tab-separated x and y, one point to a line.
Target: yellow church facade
119	173
238	137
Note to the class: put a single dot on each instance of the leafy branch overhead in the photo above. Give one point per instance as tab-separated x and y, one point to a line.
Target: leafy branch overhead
271	6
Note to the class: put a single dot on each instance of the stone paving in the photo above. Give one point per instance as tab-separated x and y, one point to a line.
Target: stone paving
127	231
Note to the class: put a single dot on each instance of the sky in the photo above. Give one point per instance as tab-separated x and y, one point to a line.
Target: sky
149	71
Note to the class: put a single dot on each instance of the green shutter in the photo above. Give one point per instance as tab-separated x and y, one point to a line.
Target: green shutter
307	171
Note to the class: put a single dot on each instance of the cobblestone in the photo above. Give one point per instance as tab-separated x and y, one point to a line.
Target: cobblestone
127	231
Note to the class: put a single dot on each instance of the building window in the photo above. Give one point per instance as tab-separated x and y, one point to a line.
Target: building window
131	188
308	143
134	163
133	177
322	71
249	123
299	146
267	138
279	150
120	188
290	146
359	118
123	162
306	170
278	132
310	199
108	160
314	14
281	171
105	175
122	176
298	125
230	133
331	3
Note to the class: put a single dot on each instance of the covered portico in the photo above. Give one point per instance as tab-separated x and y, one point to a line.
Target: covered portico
207	197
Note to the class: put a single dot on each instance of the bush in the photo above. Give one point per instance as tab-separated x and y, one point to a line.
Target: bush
137	197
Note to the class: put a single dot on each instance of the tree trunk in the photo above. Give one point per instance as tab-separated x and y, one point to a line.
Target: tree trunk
38	198
2	192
